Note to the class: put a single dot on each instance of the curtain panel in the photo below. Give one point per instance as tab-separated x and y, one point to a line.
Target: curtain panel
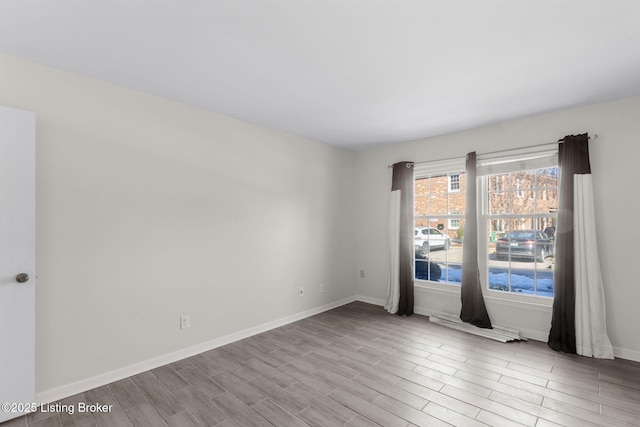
400	298
393	291
578	322
473	308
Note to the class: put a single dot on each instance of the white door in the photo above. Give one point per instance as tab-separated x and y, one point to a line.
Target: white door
17	259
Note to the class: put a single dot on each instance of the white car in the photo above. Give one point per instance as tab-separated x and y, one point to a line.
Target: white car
429	238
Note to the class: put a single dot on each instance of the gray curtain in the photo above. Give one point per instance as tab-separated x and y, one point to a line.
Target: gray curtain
403	180
578	322
473	309
573	157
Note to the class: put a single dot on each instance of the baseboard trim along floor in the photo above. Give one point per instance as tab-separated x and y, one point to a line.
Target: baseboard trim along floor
67	390
498	333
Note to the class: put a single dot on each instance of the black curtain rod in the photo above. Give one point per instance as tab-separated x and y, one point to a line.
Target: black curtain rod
595	136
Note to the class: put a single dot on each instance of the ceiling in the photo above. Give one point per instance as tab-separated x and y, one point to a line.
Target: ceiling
351	73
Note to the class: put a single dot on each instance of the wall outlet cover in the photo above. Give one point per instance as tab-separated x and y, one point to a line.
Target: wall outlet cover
184	322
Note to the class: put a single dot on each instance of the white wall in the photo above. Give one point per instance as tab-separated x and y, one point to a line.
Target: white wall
614	159
149	209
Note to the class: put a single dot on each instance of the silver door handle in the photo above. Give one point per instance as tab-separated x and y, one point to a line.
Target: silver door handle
22	278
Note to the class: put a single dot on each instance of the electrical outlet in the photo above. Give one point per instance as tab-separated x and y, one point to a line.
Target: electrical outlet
300	292
184	322
362	274
321	287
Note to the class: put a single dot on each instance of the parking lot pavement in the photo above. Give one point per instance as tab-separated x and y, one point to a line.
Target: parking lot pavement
454	256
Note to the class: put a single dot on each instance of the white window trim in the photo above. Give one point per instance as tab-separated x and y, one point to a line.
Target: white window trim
421	170
517	160
449	175
536	158
497	165
430	169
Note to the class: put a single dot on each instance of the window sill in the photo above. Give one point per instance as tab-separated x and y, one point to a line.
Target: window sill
542	304
532	302
437	286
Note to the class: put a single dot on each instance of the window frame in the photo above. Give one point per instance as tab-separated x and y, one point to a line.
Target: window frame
434	169
496	166
450	224
535	157
450	182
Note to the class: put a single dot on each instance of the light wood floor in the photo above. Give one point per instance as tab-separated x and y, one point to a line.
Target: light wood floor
360	366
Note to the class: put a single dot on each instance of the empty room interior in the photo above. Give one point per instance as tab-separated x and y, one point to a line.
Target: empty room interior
204	222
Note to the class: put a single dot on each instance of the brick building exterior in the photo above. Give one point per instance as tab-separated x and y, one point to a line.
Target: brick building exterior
439	198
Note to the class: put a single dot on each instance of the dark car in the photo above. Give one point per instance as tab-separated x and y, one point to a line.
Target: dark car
529	244
425	269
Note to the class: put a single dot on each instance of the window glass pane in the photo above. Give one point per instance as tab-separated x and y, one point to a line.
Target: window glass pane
422	187
439	226
524	202
520	252
499	203
523	180
547	178
439	195
550	228
547	190
456	202
551	196
520	255
421	204
438	251
499	183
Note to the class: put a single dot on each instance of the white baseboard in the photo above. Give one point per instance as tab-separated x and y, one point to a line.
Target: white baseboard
527	333
624	353
67	390
55	394
370	300
543	336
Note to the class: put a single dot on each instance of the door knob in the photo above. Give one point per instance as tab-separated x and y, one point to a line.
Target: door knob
22	278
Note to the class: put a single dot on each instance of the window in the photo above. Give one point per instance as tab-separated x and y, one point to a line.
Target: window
439	221
519	213
454	182
518	202
454	223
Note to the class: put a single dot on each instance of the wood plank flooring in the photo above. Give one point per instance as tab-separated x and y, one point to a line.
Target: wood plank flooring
360	366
